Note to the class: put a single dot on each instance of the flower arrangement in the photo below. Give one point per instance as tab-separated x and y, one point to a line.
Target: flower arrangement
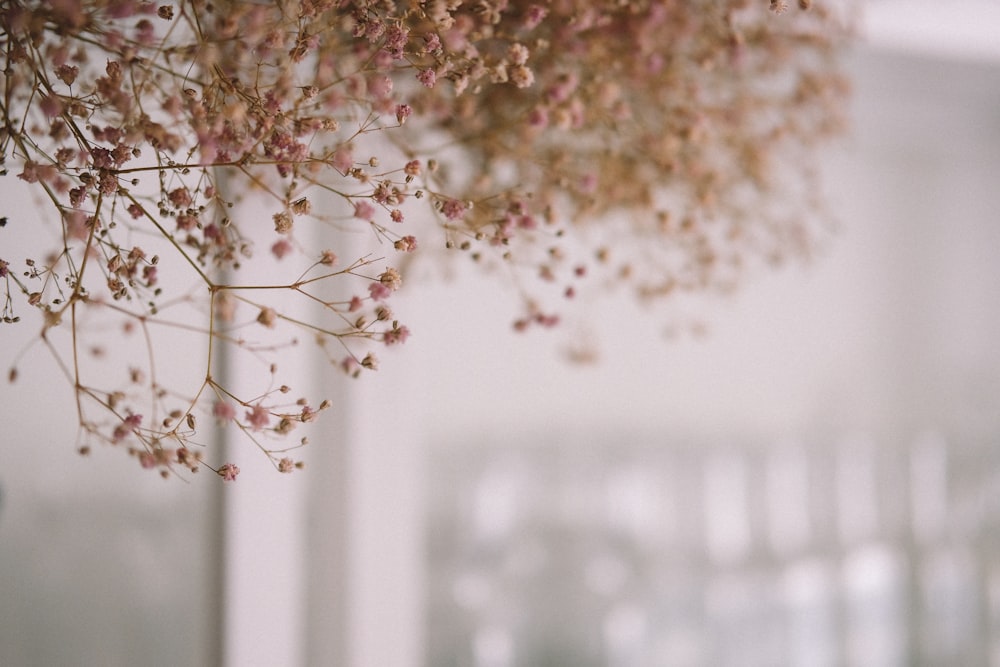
656	145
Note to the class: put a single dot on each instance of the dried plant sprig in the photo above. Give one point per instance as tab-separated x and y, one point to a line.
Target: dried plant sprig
649	144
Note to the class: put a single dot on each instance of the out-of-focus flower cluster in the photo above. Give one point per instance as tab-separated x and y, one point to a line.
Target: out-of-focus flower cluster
658	145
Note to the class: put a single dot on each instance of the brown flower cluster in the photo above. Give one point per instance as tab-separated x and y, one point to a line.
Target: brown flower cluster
659	145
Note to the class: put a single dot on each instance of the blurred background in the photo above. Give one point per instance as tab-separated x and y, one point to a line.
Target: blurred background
805	473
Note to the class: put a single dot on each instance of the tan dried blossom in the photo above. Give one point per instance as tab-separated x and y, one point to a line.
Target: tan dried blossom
268	317
522	76
391	279
283	222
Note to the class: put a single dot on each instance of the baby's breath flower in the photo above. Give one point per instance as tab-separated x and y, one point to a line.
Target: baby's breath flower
378	292
406	244
403	111
534	17
186	457
432	43
521	76
541	133
223	411
428	77
268	317
228	472
398	334
258	417
517	53
396	37
391	279
364	210
225	306
180	197
280	248
127	426
301	206
453	209
282	222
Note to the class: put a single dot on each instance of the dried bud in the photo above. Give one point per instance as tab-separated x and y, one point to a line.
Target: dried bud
268	317
282	222
391	279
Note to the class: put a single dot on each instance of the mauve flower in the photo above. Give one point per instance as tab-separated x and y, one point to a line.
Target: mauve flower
403	111
453	209
258	417
406	244
223	411
280	248
127	426
228	472
363	210
428	77
378	291
343	160
180	197
397	334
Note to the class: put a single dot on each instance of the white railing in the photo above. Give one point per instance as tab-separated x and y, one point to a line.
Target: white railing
847	552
